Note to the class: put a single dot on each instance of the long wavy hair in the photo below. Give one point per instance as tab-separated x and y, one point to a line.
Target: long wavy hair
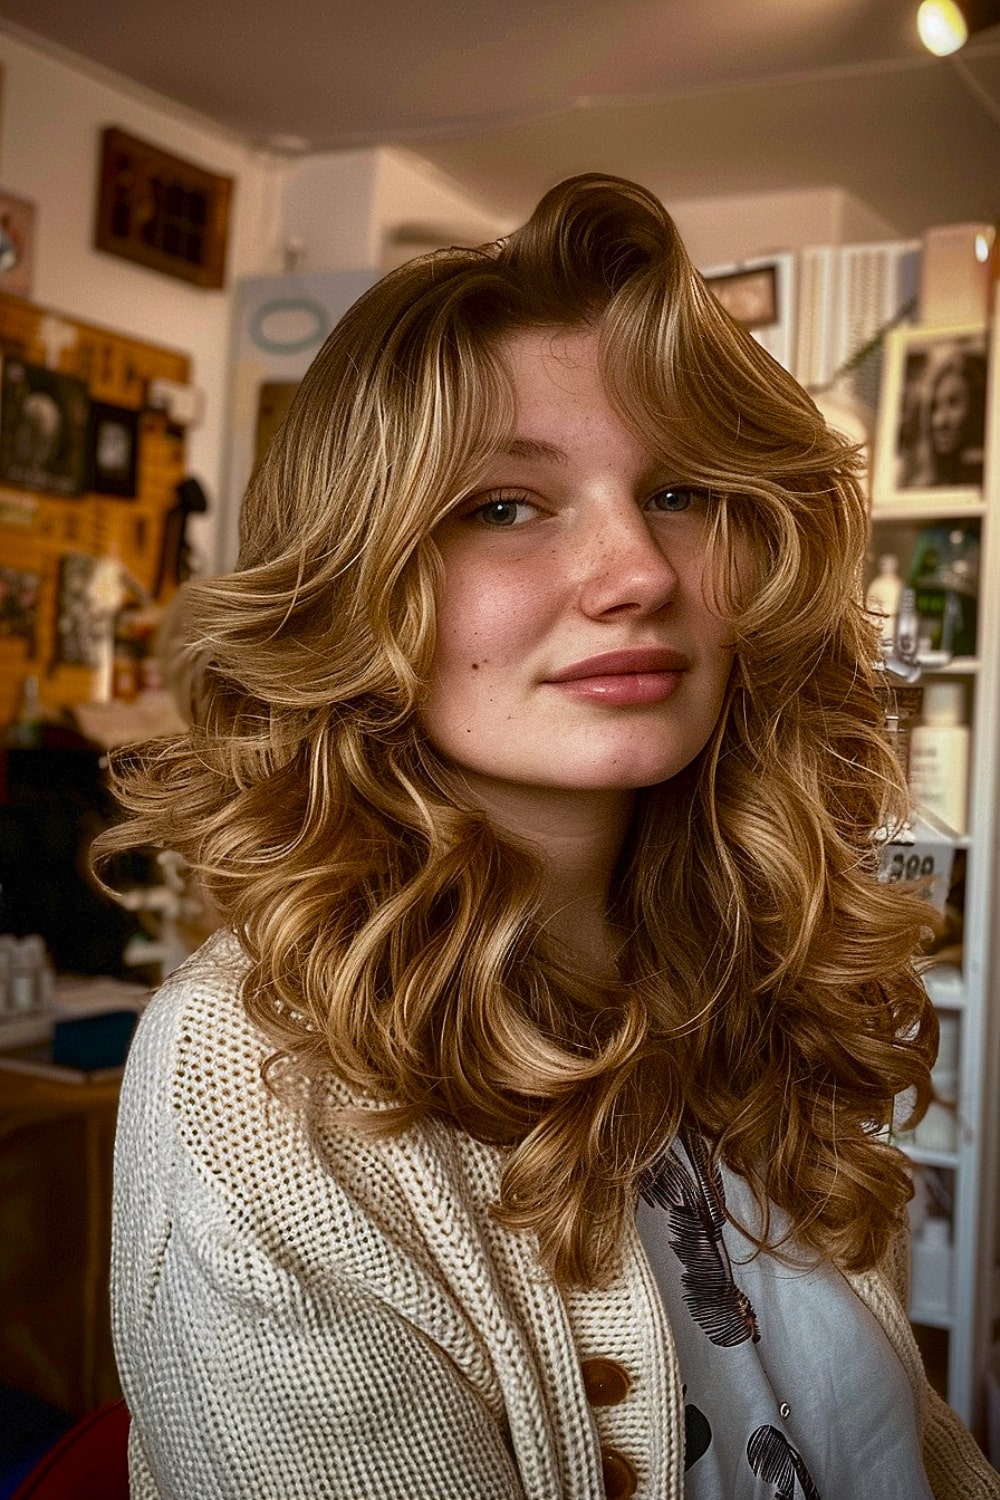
765	993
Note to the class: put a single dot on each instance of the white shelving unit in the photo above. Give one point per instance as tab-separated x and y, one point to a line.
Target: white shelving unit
972	1168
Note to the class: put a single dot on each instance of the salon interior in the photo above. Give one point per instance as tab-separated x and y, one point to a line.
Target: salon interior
190	197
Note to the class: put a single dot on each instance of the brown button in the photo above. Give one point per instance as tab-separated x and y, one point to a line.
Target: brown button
620	1478
606	1382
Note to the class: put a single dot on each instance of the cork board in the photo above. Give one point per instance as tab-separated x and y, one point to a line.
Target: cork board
100	493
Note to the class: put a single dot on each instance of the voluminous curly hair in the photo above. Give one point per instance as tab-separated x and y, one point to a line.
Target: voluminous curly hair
765	992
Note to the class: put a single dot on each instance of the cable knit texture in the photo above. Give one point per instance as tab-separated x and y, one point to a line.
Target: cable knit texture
302	1312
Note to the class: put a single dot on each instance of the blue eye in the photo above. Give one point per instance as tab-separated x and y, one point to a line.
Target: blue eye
675	498
505	511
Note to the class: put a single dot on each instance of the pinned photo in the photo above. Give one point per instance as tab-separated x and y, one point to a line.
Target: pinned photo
44	427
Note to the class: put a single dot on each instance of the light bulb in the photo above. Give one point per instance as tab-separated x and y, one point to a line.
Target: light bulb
942	27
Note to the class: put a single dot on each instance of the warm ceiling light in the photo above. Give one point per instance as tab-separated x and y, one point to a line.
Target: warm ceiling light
942	27
946	25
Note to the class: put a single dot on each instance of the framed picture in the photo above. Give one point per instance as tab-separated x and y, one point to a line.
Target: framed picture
81	623
749	296
17	244
114	450
760	294
162	211
44	429
932	416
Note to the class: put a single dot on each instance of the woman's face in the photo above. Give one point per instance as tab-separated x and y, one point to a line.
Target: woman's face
576	649
949	412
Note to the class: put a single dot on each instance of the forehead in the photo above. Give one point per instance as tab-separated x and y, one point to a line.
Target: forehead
562	403
529	352
555	376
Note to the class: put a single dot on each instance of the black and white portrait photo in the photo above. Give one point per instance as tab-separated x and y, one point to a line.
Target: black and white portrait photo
932	415
44	418
114	444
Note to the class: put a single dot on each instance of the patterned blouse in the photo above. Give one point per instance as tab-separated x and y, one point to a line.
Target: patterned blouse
792	1391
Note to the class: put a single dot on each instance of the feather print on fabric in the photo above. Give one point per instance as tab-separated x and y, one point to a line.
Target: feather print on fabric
696	1211
773	1459
697	1436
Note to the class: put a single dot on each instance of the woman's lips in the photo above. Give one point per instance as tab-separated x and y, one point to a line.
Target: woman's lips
624	679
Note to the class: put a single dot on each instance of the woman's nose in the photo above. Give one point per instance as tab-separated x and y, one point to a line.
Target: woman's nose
624	568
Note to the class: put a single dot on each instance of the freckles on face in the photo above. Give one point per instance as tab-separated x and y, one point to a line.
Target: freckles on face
576	649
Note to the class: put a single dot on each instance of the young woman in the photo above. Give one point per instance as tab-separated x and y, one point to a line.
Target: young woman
952	423
519	1136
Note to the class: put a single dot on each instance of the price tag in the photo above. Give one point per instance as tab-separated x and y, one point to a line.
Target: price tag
921	852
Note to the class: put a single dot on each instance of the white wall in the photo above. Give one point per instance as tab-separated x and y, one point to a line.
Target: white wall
341	210
53	114
326	212
416	199
718	231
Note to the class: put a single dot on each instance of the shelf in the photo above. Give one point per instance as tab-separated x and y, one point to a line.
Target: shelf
930	1318
954	1004
945	984
959	666
924	1156
25	1029
929	506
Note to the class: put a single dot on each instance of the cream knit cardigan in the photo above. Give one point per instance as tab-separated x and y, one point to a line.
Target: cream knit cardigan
303	1315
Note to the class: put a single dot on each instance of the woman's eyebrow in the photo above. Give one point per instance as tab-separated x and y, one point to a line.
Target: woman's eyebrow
529	448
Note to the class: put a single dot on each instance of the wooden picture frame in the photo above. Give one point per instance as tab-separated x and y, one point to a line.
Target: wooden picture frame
929	446
162	212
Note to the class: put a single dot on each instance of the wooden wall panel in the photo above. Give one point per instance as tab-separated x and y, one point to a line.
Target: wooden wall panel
38	530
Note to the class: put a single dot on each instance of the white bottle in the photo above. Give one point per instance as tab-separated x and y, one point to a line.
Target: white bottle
938	1130
939	755
882	598
23	980
930	1276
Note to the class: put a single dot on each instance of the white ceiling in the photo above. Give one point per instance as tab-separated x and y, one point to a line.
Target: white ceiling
692	97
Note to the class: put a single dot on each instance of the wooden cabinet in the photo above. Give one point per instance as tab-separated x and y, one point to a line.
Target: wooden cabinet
56	1142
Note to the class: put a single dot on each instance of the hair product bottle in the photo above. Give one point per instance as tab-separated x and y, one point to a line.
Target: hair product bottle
931	1268
939	755
938	1130
882	597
